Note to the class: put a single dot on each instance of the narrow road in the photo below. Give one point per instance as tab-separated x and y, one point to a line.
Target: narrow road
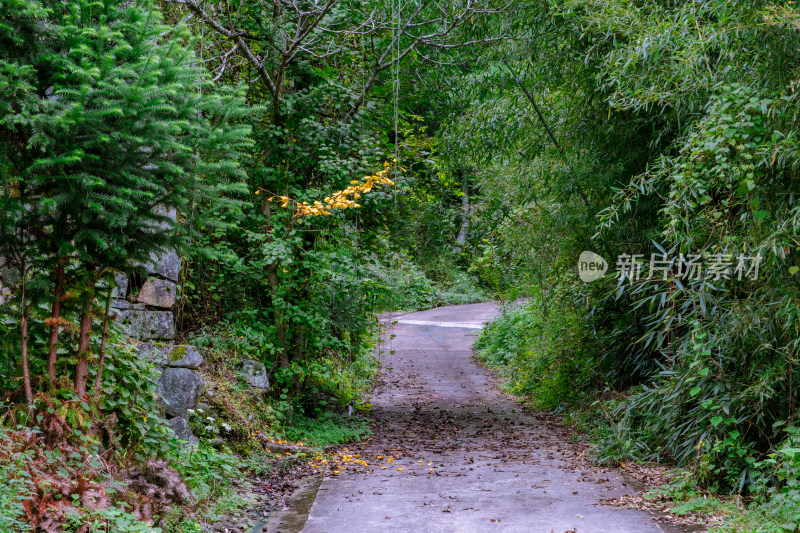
464	456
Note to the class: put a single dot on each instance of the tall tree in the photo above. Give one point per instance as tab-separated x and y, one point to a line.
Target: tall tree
107	133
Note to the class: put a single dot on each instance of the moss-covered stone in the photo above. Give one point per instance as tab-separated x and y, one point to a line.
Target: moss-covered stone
179	389
181	356
178	352
255	374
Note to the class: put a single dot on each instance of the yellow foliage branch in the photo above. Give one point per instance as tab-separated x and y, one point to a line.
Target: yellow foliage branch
344	199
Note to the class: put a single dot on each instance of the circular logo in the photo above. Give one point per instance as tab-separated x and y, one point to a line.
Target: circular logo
591	266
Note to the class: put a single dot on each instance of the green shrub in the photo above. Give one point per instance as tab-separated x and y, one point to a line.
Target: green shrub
111	518
16	487
544	355
394	283
129	384
460	288
207	472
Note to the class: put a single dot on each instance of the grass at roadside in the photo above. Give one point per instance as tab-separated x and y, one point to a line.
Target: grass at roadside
546	359
329	428
773	508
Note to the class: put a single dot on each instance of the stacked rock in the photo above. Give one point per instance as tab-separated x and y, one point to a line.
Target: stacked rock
144	304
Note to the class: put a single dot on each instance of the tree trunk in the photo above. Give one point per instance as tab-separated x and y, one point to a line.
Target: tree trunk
84	342
26	373
55	316
98	382
272	278
280	320
462	232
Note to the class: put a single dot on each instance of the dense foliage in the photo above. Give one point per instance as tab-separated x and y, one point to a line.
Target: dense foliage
315	163
271	147
672	135
101	142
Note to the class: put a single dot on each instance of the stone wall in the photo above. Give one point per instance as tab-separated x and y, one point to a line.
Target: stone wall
180	384
144	304
9	278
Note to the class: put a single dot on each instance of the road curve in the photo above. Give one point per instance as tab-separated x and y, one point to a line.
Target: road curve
465	456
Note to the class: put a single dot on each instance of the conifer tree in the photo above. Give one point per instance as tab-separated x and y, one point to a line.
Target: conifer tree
105	132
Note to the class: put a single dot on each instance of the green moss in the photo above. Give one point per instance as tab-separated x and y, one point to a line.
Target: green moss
177	353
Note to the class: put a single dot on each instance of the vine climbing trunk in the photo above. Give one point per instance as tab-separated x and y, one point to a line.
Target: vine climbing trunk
277	95
274	284
279	317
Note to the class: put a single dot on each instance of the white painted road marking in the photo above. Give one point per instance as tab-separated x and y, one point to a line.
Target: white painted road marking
466	325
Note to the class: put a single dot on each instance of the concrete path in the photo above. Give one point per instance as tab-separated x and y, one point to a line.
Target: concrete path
464	456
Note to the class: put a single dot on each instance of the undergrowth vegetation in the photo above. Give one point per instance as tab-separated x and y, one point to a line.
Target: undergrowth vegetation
308	183
664	141
542	355
294	201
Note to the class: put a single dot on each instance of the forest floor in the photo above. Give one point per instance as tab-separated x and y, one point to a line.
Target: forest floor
452	452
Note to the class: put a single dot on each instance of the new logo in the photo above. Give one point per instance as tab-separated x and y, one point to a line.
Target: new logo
591	266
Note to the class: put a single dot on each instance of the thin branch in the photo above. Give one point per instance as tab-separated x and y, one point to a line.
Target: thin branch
236	38
575	182
224	64
379	67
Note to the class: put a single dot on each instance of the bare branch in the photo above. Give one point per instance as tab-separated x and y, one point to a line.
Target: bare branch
380	65
225	62
235	37
310	28
316	31
185	21
466	43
